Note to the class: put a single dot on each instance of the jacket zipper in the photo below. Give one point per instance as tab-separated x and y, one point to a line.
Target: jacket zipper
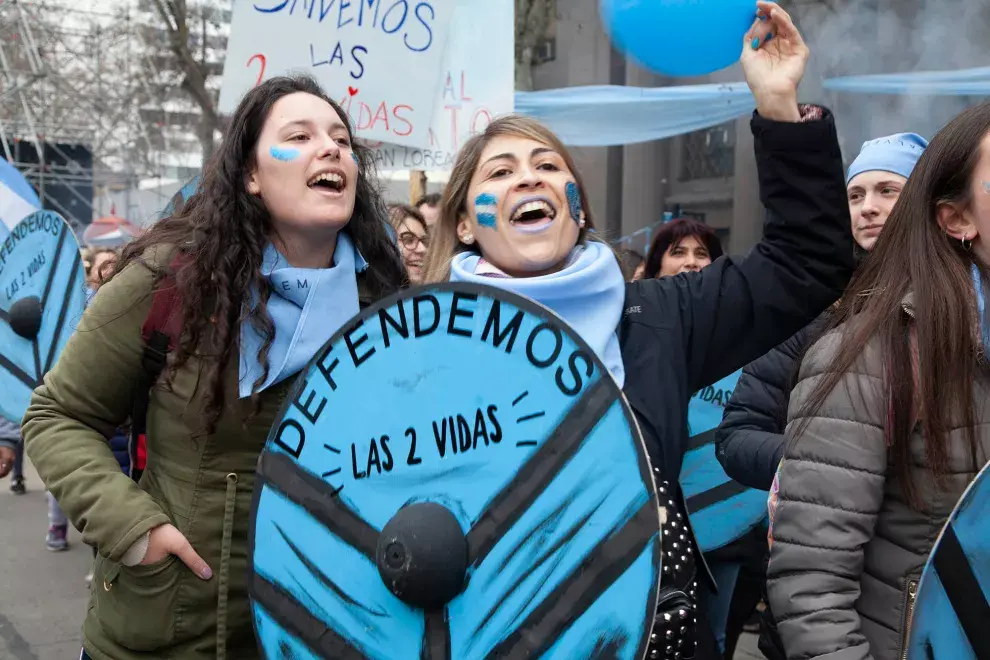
912	592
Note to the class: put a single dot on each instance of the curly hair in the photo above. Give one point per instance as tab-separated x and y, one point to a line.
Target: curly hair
218	237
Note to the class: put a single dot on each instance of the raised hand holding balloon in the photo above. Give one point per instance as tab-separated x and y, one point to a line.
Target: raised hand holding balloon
42	296
773	59
678	37
458	476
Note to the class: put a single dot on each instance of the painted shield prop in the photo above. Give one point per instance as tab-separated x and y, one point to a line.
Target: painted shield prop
42	296
721	509
951	616
455	475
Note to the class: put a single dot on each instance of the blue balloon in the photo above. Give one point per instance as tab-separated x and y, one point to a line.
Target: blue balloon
679	37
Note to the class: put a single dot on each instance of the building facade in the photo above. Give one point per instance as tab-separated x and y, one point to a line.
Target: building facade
711	174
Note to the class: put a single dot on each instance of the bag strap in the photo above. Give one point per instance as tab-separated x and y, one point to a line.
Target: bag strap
161	331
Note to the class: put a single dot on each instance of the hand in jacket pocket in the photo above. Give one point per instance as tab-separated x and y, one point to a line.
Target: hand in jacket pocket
166	540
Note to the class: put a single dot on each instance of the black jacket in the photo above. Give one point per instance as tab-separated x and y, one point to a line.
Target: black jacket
681	333
749	442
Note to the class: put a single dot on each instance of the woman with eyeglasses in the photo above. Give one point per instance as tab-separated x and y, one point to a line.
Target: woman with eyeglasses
410	226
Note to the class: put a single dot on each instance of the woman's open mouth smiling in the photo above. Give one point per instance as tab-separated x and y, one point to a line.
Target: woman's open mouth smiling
532	215
328	183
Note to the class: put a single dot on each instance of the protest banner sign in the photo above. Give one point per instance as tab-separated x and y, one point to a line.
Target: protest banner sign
381	59
42	296
455	475
478	84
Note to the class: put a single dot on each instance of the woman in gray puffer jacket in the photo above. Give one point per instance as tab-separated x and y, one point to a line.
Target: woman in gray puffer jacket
888	422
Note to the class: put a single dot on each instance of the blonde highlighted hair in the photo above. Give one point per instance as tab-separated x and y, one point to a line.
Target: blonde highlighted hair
444	243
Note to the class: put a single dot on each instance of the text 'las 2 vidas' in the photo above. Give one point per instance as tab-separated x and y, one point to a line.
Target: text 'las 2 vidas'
538	346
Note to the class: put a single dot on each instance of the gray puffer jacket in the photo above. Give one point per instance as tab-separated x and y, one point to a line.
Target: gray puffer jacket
847	551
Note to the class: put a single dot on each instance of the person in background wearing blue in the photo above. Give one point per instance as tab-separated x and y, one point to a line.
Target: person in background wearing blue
750	439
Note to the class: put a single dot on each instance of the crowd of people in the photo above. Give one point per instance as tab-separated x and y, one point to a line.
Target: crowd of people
855	328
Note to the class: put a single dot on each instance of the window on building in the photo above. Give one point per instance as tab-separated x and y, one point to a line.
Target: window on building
709	153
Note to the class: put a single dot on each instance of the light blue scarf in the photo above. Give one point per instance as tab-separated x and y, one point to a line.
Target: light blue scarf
307	306
588	293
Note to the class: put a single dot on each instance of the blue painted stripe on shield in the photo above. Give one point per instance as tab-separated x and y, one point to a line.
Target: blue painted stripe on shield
963	589
582	588
285	625
587	502
286	629
359	599
613	641
539	471
936	629
721	510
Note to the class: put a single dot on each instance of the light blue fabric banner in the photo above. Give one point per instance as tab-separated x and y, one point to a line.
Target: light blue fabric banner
611	115
964	82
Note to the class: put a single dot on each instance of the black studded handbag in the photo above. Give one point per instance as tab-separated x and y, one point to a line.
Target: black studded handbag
673	633
673	636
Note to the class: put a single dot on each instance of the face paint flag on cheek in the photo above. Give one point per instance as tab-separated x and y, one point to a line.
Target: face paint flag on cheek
486	210
42	296
509	515
574	202
948	608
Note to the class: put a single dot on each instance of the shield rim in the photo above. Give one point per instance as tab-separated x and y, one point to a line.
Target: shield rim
527	305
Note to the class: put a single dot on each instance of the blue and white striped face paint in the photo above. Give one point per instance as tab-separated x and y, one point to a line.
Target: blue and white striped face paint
521	216
486	210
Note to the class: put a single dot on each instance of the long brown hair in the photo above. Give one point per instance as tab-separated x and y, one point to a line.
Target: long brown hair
914	255
444	242
222	230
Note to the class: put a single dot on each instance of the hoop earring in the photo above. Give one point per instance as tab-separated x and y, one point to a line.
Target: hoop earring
966	243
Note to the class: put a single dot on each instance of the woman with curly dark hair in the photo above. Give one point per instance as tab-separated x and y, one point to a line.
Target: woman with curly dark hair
283	242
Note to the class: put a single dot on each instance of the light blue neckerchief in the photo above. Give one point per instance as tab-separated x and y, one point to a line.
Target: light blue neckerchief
588	293
981	306
307	306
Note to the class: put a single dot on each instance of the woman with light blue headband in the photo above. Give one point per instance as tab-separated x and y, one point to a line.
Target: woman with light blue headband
750	440
888	426
875	180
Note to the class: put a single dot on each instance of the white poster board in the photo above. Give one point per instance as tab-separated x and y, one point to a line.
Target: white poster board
383	55
477	85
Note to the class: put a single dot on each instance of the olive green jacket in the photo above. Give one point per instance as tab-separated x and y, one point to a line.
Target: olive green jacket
201	483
